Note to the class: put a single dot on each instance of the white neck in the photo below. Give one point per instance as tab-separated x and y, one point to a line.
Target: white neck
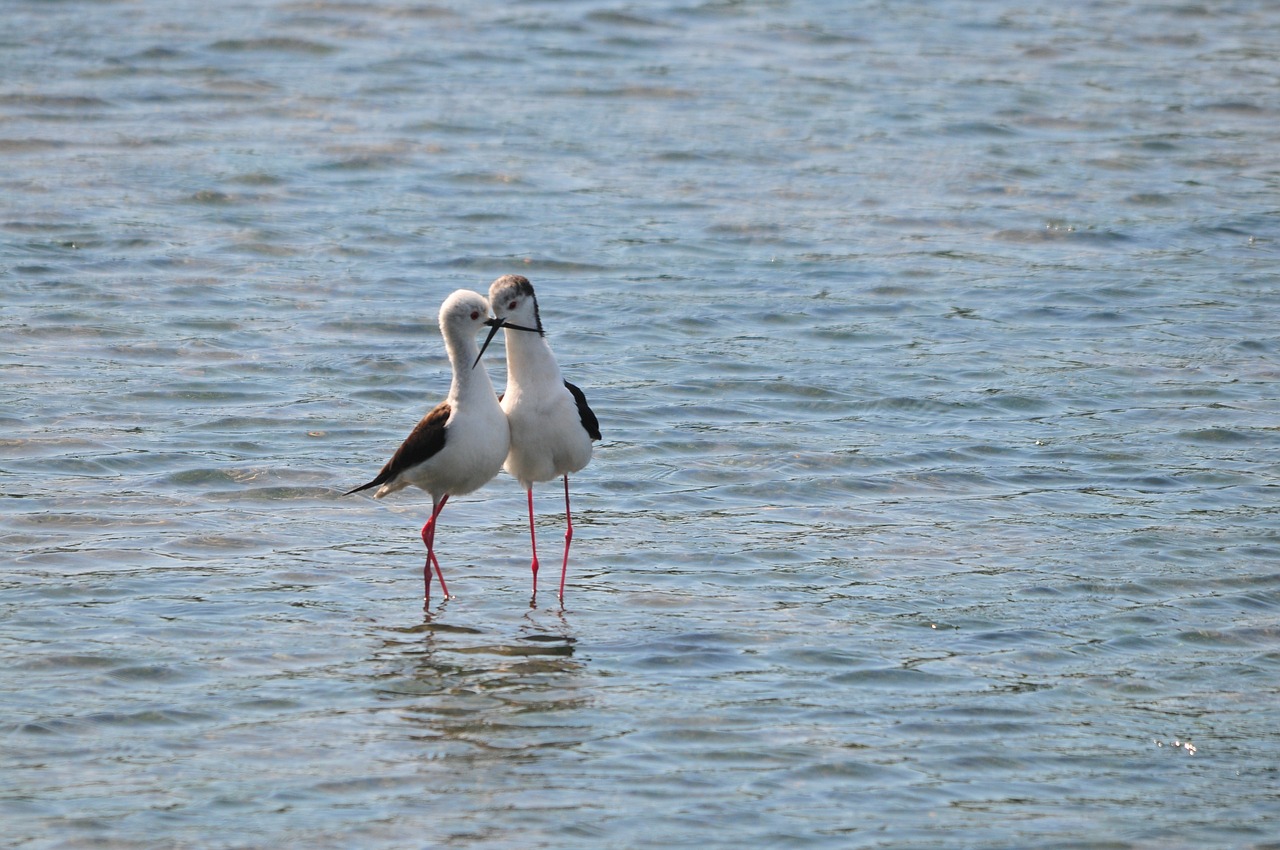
467	381
529	359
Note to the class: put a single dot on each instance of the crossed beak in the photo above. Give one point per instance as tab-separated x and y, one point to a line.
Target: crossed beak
495	325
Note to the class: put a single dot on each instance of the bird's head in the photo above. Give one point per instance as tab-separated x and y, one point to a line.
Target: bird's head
515	307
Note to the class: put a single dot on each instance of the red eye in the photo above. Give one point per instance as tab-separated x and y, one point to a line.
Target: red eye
511	306
475	314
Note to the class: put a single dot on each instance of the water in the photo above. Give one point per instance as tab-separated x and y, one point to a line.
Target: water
935	350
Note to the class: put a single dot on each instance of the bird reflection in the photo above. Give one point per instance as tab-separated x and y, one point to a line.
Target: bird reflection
463	684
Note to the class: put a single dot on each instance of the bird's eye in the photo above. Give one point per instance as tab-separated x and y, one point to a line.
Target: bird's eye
475	314
511	306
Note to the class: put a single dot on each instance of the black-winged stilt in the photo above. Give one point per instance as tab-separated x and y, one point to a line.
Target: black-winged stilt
552	427
461	444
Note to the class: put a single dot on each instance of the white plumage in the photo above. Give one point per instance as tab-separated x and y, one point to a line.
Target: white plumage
552	426
462	442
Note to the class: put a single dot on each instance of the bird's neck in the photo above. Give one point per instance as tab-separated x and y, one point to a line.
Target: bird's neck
467	381
529	359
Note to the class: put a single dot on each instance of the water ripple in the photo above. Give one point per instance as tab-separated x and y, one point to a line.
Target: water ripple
934	351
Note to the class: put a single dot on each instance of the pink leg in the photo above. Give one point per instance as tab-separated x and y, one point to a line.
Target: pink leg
533	540
568	538
429	538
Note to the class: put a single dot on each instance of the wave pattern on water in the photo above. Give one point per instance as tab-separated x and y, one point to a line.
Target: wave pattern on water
934	347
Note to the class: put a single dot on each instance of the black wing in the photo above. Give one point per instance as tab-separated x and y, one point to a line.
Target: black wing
426	438
589	422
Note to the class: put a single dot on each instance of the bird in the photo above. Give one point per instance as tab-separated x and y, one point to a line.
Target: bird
552	426
461	443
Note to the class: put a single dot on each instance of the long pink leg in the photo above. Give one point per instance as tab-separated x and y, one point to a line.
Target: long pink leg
429	538
533	541
568	538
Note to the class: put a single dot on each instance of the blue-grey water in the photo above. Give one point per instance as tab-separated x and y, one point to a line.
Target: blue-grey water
935	346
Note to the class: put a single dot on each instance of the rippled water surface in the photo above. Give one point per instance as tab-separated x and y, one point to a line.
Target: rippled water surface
935	347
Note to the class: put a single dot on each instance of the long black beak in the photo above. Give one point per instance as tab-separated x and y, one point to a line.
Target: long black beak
495	325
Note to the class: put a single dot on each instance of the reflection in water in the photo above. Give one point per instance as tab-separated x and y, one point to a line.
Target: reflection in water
464	684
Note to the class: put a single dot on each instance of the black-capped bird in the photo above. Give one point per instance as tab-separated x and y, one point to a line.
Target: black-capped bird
552	426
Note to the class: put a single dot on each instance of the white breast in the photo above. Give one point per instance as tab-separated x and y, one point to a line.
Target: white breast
547	437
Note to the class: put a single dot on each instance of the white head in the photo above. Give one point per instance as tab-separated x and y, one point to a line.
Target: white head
462	315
